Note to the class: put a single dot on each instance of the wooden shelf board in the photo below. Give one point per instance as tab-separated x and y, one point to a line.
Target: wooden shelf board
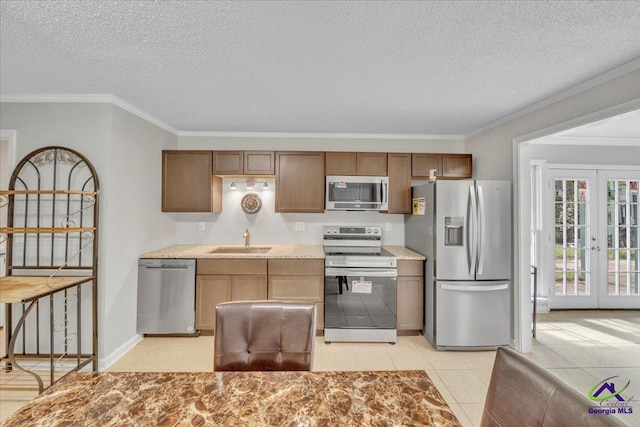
27	288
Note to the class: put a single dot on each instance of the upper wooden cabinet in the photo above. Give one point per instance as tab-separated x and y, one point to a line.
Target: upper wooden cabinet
188	184
259	163
399	183
243	162
373	164
228	162
350	163
340	163
422	163
446	165
299	181
457	166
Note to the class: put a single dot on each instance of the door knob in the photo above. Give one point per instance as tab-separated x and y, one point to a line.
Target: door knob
595	248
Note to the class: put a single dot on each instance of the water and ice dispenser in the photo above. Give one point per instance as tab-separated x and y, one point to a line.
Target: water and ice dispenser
453	230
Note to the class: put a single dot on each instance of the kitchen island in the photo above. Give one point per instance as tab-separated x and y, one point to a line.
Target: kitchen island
239	398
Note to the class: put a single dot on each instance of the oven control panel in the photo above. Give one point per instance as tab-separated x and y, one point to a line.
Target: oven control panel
355	231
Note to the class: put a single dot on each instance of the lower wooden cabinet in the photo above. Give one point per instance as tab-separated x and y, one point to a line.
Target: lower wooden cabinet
298	280
236	279
222	280
210	291
241	279
410	295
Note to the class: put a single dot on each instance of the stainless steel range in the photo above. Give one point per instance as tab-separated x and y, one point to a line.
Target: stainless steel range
359	286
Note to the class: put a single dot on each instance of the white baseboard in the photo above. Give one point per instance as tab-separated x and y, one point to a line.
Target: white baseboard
542	305
106	362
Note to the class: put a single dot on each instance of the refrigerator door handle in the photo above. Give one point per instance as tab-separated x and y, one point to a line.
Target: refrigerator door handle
478	288
472	231
482	229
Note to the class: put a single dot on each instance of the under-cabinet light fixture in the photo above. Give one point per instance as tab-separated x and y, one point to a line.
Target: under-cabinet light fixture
250	184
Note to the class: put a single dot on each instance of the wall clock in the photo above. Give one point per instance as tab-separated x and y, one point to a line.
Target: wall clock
251	203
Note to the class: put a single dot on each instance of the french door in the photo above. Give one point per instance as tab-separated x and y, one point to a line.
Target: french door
593	239
620	250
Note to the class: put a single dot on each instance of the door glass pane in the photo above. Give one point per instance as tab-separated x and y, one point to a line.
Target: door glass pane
572	233
622	238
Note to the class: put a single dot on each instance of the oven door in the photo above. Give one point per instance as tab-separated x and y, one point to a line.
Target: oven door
357	298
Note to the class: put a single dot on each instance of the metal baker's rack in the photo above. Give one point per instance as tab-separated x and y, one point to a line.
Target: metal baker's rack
51	288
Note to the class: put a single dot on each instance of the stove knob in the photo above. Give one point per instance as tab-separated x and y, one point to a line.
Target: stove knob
368	231
376	230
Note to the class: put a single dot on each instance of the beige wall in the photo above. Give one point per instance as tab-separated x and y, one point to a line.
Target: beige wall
492	150
321	144
126	153
267	226
493	157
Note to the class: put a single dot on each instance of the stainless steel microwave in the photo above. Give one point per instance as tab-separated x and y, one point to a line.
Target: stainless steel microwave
357	193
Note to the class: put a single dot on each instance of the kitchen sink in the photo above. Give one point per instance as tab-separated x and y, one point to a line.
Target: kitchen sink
241	250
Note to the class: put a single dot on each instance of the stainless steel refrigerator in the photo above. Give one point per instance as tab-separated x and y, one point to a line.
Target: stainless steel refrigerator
463	228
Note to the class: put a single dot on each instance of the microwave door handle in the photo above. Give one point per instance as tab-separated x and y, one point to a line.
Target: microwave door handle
385	193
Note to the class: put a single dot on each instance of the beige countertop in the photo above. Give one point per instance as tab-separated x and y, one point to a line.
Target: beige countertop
204	251
276	251
404	254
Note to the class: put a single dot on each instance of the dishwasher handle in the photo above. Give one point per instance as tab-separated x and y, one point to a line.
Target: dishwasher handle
167	264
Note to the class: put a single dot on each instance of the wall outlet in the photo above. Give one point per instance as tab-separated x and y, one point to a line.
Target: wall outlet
387	226
201	226
299	226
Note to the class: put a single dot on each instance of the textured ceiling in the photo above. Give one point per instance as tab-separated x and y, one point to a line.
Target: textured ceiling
436	68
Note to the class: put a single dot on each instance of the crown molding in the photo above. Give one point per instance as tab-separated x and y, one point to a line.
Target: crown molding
143	115
106	98
110	99
588	141
89	99
291	135
591	83
615	110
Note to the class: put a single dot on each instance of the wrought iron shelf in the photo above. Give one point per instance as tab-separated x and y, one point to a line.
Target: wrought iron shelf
54	192
35	196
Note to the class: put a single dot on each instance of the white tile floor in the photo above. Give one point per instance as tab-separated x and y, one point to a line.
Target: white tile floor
580	347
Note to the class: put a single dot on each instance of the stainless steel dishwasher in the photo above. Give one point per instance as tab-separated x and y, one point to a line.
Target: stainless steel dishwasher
166	296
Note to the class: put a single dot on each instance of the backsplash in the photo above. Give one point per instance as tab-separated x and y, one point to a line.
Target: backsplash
269	227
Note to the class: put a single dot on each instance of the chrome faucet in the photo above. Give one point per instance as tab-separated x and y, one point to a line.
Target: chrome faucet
246	236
